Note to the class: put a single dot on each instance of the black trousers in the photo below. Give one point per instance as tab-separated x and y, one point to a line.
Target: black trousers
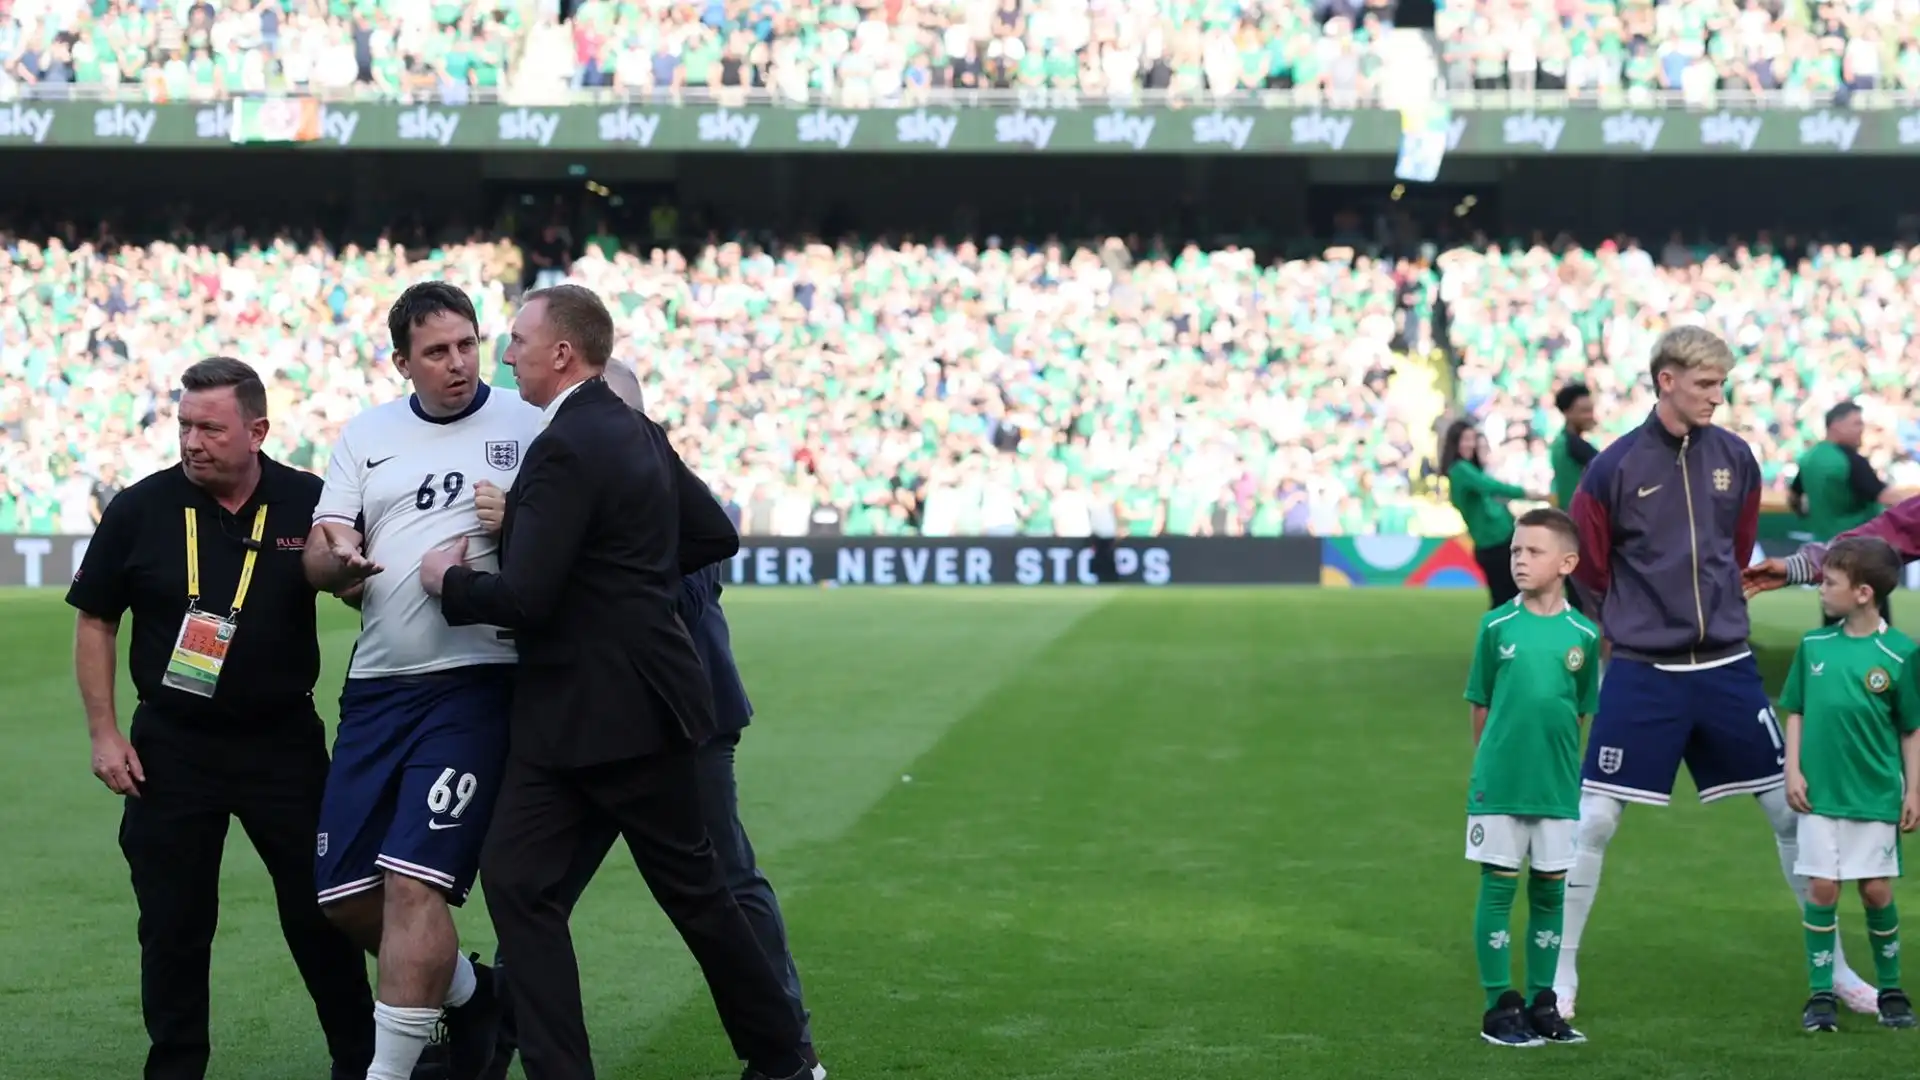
174	835
548	824
1105	570
1496	563
720	810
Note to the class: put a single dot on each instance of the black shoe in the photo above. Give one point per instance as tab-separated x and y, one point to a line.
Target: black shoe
1821	1014
1545	1020
816	1070
752	1073
1896	1011
504	1047
1506	1023
473	1028
433	1060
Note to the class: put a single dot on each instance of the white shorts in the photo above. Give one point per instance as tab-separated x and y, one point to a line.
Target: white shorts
1835	849
1507	841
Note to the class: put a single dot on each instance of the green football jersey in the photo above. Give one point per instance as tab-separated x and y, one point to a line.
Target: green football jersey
1856	696
1537	676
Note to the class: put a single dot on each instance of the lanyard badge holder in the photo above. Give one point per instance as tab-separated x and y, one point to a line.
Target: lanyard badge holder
200	651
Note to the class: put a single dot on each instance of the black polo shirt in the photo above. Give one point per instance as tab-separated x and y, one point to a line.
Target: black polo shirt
137	562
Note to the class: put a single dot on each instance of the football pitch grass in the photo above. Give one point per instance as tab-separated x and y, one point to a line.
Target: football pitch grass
1039	834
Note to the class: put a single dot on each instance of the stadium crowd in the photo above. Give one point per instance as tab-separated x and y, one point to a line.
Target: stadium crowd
1693	47
1812	327
947	390
887	50
797	49
983	387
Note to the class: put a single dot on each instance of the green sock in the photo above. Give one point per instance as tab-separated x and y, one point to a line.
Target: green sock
1821	923
1883	933
1492	923
1546	911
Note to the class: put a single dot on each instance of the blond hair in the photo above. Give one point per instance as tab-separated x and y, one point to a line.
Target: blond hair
1689	348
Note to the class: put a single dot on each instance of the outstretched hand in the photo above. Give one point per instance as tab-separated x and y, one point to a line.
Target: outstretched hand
1766	577
358	566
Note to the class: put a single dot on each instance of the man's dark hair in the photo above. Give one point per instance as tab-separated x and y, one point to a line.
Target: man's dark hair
1554	520
579	318
1570	395
1866	560
1843	411
420	303
221	372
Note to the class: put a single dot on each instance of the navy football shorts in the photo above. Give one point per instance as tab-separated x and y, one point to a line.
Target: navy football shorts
417	763
1718	720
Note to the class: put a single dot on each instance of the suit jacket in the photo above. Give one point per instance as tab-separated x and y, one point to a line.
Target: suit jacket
601	524
700	610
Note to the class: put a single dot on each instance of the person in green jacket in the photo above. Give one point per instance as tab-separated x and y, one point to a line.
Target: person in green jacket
1835	489
1571	452
1482	502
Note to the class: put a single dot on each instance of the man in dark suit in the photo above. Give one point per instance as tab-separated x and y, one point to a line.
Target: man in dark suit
699	608
610	700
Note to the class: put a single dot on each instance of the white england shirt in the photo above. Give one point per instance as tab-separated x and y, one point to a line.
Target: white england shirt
410	476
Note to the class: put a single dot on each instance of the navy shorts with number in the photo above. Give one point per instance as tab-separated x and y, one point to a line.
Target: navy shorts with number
1718	720
417	763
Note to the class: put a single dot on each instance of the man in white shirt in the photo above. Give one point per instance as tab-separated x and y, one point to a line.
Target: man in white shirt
421	746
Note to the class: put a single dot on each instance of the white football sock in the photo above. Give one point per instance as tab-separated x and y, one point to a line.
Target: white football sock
1786	838
460	990
400	1036
1599	817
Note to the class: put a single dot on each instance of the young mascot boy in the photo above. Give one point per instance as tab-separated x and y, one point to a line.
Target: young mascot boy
1853	768
1533	683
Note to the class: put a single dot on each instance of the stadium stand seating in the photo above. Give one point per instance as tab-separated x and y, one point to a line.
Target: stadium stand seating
891	50
857	53
978	389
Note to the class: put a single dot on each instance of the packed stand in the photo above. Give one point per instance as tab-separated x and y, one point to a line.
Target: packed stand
1810	328
973	389
1698	49
853	54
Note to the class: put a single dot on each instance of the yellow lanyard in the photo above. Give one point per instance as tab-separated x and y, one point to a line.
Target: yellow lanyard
246	566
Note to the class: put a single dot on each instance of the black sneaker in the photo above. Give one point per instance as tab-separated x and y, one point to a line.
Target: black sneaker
1506	1023
752	1073
1896	1011
433	1060
1545	1020
1821	1014
473	1028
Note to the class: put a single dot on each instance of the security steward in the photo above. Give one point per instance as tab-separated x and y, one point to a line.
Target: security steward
224	655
